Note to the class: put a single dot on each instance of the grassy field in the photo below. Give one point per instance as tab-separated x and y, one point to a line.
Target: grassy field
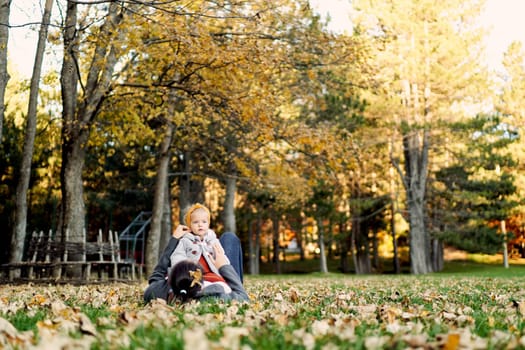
467	306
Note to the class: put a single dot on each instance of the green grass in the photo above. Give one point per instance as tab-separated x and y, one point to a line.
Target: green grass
482	303
471	268
24	320
154	338
475	265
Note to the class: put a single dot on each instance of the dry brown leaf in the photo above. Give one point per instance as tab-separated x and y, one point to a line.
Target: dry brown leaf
7	329
302	337
281	319
128	317
321	328
195	339
231	338
59	308
415	340
449	316
452	341
86	326
375	342
63	342
293	294
521	307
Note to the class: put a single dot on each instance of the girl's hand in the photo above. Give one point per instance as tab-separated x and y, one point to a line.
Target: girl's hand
180	231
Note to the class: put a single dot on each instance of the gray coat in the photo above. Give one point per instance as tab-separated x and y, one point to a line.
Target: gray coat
192	247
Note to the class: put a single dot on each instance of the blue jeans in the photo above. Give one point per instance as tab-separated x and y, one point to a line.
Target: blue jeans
233	250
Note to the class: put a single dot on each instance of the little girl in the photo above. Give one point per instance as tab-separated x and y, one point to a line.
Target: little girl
197	245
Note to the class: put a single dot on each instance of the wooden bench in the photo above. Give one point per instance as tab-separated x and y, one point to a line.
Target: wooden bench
107	257
50	260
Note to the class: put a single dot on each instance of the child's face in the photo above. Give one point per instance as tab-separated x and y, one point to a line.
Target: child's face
200	222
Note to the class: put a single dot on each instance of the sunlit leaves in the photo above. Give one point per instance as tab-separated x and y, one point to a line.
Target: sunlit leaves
310	312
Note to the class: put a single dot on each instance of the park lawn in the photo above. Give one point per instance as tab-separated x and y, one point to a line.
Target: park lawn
468	305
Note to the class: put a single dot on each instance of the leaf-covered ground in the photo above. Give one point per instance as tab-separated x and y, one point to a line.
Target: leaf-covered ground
332	312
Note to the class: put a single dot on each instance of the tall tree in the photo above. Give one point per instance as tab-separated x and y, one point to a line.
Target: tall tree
427	60
79	111
511	105
19	232
162	180
5	7
477	187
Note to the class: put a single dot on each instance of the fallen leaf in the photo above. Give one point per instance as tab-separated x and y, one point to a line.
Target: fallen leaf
86	326
452	342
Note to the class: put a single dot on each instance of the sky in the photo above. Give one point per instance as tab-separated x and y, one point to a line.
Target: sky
505	17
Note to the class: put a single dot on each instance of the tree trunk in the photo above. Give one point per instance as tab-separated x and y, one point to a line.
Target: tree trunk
70	183
276	247
361	252
420	262
328	240
19	234
255	245
505	247
323	267
297	226
415	184
154	235
344	248
397	267
363	265
228	214
166	225
191	188
78	117
184	185
251	247
375	251
437	255
5	7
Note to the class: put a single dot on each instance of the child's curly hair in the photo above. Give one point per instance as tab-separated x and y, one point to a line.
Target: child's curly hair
186	280
187	217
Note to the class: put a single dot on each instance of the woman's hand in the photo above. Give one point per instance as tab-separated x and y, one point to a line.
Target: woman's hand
180	231
220	258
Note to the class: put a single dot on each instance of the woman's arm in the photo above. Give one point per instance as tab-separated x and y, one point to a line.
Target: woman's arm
227	271
231	277
216	242
161	270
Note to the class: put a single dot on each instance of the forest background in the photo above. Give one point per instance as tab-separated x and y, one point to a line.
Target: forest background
396	136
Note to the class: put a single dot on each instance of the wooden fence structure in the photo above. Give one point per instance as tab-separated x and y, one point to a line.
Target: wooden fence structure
50	260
